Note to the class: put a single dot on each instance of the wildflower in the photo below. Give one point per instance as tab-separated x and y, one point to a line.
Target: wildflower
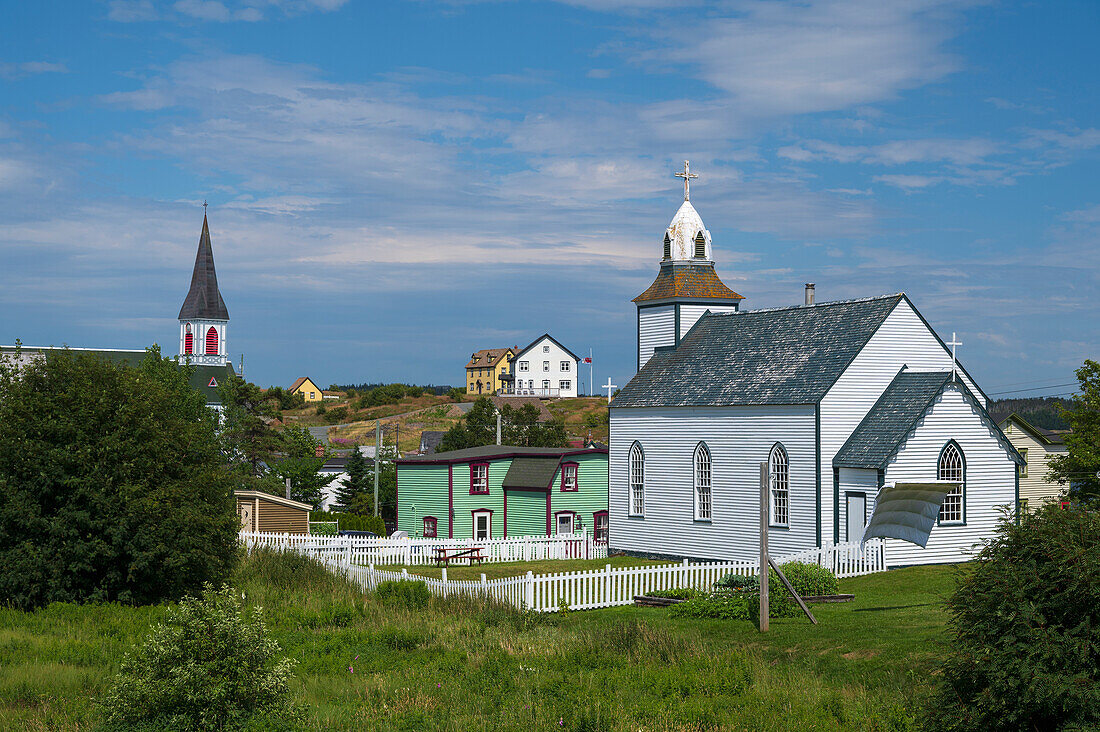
351	669
561	721
439	686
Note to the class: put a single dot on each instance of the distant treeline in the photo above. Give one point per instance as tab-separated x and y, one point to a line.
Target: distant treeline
1040	411
363	388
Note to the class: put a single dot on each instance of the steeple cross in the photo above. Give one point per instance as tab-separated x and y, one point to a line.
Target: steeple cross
687	175
953	342
609	386
204	207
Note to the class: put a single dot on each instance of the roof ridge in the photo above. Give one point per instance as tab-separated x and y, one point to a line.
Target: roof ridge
815	305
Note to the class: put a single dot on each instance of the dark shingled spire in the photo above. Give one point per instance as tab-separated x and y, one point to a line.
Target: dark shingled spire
203	301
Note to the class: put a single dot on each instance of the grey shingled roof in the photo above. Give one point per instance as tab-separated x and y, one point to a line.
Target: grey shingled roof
531	472
890	419
779	356
204	301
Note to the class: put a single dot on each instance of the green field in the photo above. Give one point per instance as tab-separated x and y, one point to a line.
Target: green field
460	665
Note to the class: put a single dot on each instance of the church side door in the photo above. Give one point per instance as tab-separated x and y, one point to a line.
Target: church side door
856	507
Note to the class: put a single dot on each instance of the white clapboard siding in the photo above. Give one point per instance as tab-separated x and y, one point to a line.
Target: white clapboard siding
990	480
656	327
555	355
902	340
739	438
689	314
606	587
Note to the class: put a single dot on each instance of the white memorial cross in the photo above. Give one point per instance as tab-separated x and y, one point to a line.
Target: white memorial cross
953	342
687	175
609	386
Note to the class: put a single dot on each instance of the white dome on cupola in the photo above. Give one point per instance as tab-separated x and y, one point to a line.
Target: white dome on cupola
686	238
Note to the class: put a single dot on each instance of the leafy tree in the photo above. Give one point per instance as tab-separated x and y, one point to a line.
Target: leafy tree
519	428
1078	468
113	486
302	457
208	666
455	394
1026	619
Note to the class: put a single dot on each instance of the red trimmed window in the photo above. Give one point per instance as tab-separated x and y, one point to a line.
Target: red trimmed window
479	478
599	526
429	527
569	476
212	340
188	343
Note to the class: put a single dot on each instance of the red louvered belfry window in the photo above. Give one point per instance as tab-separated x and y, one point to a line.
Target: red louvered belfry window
188	343
212	340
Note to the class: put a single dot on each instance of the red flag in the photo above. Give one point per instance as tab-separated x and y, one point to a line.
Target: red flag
587	359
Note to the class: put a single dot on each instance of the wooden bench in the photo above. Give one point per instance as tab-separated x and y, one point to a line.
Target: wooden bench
444	556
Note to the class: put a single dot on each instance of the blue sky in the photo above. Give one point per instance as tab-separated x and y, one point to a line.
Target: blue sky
393	185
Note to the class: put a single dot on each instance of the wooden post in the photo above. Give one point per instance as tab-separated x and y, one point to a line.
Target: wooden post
444	582
530	590
484	587
763	547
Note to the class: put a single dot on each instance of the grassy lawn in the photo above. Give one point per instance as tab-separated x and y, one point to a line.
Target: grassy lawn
462	665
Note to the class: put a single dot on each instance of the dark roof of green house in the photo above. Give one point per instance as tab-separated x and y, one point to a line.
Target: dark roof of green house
207	379
493	452
531	472
877	438
204	301
789	355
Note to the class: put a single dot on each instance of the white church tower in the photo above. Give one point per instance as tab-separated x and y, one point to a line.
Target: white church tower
203	317
687	285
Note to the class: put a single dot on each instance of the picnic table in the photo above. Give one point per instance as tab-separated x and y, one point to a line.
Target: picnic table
444	556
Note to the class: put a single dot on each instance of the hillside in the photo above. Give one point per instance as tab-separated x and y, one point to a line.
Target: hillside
1040	411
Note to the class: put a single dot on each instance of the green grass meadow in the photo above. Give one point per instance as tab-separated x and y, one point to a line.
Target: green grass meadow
464	665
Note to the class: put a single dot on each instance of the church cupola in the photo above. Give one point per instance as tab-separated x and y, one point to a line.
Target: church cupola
204	318
686	286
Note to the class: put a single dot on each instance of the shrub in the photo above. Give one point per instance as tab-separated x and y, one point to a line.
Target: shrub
807	579
1026	619
409	594
456	394
677	593
350	521
336	414
207	667
738	583
113	484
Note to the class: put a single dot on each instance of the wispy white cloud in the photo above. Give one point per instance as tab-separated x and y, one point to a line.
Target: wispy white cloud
11	70
218	11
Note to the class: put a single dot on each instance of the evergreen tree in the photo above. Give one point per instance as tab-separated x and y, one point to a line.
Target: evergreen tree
351	495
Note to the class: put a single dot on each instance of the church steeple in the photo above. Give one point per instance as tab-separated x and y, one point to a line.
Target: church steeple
203	299
686	286
204	318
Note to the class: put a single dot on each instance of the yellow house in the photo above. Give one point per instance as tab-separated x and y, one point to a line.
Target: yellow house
309	391
488	370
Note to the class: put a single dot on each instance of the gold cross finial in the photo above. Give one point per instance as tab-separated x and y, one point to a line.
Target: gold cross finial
687	175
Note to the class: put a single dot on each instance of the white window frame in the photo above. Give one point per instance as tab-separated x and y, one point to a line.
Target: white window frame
952	467
1023	454
572	522
565	385
524	366
546	349
546	383
702	469
545	365
565	366
479	481
779	487
636	480
474	516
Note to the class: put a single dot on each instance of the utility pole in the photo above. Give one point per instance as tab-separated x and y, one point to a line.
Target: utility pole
498	426
763	547
377	459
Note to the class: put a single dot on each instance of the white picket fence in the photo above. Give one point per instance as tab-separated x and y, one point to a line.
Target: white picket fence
412	552
606	587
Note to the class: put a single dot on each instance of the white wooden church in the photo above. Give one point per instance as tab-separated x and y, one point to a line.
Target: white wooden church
839	398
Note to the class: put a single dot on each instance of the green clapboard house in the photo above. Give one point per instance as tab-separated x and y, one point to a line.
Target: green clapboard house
494	492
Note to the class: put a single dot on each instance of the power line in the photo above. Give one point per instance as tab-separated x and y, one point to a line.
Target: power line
1034	388
1021	383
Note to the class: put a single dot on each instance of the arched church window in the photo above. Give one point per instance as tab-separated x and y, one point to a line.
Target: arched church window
700	246
952	468
668	246
779	483
637	480
188	339
212	340
702	483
